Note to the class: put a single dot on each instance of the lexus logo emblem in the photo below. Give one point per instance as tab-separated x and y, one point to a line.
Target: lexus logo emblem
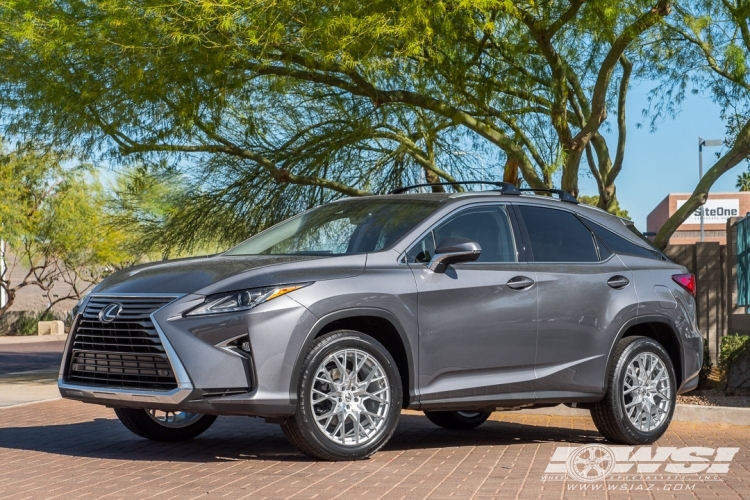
109	313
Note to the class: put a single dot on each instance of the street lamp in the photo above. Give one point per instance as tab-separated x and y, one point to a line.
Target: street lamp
701	143
481	161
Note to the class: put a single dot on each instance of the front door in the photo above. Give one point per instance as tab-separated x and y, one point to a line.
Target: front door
477	329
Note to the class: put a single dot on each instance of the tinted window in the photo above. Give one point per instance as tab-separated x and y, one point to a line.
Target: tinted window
351	226
618	244
557	236
489	226
423	250
604	252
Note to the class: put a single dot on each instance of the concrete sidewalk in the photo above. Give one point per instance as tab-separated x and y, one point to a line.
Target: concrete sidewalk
28	387
31	339
682	413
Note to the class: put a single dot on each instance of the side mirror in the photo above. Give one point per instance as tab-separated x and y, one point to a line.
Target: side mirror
453	250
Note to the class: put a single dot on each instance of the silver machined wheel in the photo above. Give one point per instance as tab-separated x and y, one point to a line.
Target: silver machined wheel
173	419
350	397
647	392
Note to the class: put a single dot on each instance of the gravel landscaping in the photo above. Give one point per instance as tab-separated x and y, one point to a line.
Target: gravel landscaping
713	397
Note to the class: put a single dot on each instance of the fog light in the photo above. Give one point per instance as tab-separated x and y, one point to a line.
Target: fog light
245	346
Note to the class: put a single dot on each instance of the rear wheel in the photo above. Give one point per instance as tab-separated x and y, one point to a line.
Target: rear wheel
160	425
458	419
640	400
349	398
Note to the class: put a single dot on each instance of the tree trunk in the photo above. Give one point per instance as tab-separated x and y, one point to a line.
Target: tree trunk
433	178
510	172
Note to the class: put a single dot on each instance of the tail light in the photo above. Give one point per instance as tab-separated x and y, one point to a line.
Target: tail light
686	281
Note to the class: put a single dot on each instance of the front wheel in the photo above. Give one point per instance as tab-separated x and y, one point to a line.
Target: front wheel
641	396
458	419
349	398
160	425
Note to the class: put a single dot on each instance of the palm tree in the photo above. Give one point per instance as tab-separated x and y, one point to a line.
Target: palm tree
743	181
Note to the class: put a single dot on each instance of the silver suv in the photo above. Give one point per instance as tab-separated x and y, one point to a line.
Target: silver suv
454	304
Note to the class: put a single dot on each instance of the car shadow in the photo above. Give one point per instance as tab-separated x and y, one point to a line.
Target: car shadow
242	438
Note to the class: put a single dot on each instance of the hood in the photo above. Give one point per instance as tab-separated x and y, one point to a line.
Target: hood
219	273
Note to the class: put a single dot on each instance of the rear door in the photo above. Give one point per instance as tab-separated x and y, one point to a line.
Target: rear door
477	333
585	295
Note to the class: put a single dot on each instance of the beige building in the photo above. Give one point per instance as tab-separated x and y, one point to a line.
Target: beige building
718	209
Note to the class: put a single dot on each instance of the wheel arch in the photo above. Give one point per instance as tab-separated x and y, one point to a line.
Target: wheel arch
663	330
380	324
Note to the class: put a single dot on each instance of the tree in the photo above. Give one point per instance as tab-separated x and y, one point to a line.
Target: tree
743	181
718	35
258	101
52	218
594	202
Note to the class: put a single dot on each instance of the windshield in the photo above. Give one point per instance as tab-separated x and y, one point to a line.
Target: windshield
346	227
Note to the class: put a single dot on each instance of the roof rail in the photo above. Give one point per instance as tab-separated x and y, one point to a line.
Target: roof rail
562	195
505	187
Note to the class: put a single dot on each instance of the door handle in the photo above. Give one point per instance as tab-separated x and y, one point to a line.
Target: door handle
520	283
618	282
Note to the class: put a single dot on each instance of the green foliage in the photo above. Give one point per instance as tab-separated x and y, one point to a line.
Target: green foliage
743	181
268	107
26	324
732	347
594	202
55	223
707	363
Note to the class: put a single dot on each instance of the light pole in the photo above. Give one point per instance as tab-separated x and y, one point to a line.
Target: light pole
701	143
481	162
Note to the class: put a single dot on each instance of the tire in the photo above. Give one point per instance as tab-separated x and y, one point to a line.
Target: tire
615	415
141	423
461	420
334	403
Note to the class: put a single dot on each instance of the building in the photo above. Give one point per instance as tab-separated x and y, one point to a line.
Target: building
718	209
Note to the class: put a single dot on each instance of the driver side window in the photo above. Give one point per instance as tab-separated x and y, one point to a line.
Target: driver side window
487	225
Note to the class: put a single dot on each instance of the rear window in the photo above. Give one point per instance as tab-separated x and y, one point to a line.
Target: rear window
618	244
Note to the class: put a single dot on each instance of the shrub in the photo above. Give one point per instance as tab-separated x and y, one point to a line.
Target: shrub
27	324
732	347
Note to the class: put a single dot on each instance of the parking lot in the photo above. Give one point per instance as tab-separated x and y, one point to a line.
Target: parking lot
65	449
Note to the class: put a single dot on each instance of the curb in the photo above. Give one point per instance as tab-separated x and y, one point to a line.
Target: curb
30	376
682	413
31	339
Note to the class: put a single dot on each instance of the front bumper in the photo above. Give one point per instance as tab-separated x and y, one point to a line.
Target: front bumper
212	378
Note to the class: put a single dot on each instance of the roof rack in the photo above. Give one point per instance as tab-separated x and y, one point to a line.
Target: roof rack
505	187
562	195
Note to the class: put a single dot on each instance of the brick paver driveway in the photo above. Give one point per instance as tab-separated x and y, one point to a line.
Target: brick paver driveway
64	449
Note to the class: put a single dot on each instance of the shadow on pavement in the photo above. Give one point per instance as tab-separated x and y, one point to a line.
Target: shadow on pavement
242	438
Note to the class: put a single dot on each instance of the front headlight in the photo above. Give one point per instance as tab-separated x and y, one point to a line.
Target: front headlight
242	300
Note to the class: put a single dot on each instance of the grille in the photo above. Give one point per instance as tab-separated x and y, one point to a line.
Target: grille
124	353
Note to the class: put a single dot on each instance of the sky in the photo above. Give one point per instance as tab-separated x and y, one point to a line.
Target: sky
665	161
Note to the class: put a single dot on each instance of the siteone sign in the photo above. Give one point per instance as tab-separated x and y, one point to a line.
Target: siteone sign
714	211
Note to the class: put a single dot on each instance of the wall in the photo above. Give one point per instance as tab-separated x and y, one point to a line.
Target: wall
708	262
31	297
